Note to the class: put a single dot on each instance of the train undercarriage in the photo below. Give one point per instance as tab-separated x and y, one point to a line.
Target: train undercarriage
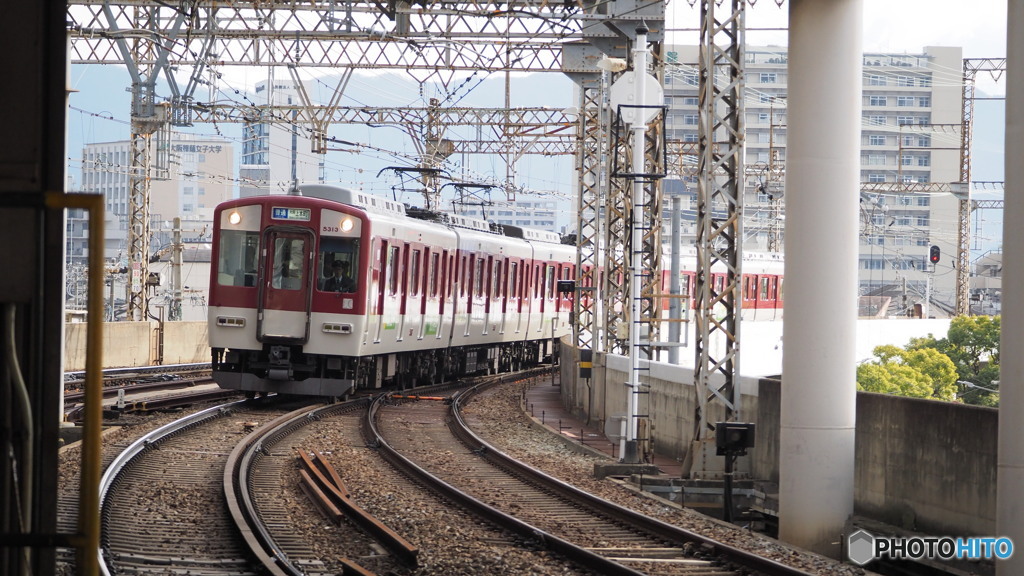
287	369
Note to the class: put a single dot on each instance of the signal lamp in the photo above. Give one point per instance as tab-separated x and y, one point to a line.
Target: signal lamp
934	254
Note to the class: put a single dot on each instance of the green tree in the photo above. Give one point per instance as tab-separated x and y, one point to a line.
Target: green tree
972	343
920	373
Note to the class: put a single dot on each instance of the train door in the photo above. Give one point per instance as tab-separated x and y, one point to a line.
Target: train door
417	288
509	293
489	290
403	296
444	291
382	283
285	286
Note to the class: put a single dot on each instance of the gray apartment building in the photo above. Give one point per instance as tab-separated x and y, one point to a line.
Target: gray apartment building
912	107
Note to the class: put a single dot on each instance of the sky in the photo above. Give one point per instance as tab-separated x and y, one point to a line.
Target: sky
99	113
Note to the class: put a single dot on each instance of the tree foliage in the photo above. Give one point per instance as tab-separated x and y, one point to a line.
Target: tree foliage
972	343
920	373
972	349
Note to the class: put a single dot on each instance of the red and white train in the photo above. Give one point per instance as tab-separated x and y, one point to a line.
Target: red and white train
428	295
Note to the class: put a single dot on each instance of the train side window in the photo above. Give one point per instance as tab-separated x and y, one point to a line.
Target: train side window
766	288
496	280
394	268
414	273
778	289
432	275
238	258
513	278
550	282
478	277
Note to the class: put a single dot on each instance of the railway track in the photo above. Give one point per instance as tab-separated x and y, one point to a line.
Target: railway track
164	513
255	478
162	503
429	440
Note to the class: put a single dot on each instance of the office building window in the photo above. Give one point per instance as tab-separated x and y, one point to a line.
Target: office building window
769	78
875	177
877	120
876	100
876	140
876	80
905	101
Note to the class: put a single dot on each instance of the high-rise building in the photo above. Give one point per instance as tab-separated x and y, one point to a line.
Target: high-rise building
539	214
912	108
276	153
201	174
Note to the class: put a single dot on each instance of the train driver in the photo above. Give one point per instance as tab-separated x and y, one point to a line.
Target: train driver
341	280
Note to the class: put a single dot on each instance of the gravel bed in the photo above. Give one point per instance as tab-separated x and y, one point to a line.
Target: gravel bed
498	417
449	543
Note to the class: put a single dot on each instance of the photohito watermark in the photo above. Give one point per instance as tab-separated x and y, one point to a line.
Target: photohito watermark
863	547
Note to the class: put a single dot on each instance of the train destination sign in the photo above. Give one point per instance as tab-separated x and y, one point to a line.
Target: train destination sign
279	213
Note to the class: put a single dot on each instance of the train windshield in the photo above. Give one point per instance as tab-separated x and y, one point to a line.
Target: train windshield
289	255
338	264
237	260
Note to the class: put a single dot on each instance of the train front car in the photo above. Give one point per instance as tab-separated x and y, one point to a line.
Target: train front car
287	285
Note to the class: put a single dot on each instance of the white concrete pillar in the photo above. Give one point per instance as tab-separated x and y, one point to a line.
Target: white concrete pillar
816	472
1010	479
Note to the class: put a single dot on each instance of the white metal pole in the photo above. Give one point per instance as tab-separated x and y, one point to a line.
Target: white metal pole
818	412
675	286
1010	463
636	243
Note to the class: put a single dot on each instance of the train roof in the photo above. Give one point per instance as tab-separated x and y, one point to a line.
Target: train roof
367	202
373	204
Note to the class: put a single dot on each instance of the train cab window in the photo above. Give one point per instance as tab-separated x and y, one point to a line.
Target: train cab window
238	258
338	265
289	256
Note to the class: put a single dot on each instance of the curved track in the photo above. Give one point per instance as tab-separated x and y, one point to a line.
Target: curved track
162	500
423	435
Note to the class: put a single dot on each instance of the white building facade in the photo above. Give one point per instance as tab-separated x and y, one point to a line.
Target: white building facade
912	111
276	153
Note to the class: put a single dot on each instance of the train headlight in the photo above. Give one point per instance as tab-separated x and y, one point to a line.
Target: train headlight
234	217
346	225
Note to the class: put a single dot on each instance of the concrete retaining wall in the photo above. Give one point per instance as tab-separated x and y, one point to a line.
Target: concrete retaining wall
920	464
138	344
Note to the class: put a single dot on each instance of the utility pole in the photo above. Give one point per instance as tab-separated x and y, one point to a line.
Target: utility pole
174	314
963	253
719	240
